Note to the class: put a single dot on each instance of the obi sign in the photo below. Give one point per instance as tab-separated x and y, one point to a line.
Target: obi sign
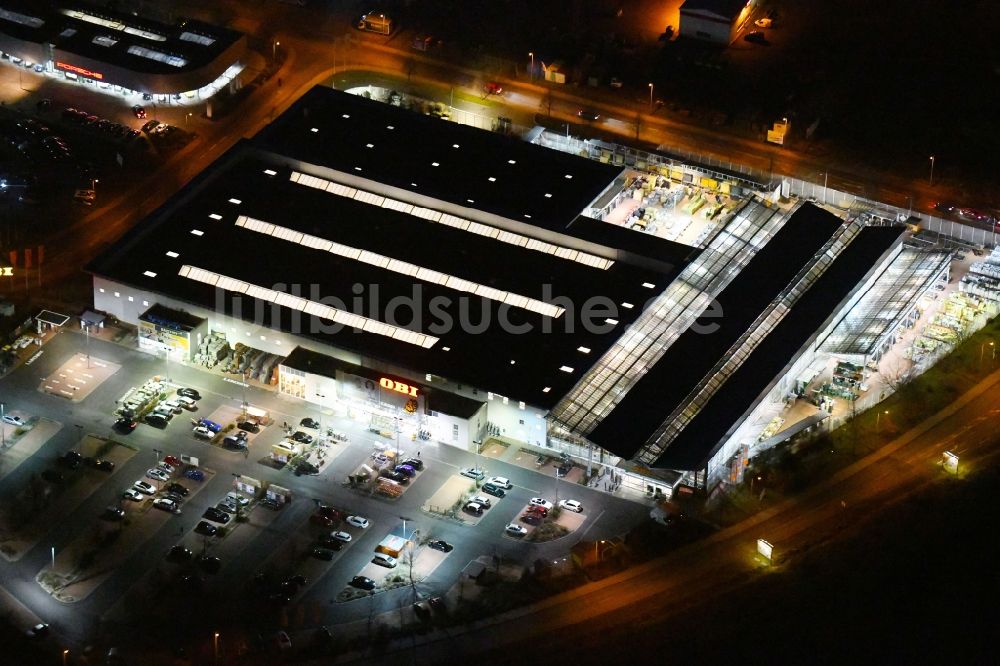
398	387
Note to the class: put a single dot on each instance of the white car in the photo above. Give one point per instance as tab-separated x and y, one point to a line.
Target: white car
167	467
501	481
483	501
341	536
538	501
358	521
132	494
202	431
157	474
384	560
144	487
476	473
571	505
515	530
10	419
165	504
236	497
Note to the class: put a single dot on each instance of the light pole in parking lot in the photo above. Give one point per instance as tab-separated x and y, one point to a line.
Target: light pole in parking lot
3	427
531	72
932	171
215	646
157	452
650	97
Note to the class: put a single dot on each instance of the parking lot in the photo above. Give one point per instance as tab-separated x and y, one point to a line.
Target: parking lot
278	545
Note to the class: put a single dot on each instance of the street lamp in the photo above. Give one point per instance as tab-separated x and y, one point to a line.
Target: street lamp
53	550
650	97
215	646
187	117
878	417
531	72
932	171
157	452
65	654
274	51
982	350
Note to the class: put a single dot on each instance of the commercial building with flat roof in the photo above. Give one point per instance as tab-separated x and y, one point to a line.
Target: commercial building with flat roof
411	270
82	41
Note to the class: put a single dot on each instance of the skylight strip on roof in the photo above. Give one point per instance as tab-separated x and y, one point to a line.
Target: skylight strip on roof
313	308
396	204
454	221
159	56
426	213
232	285
196	38
369	198
397	266
316	242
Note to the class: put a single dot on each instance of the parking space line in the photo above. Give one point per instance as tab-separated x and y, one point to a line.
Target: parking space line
592	523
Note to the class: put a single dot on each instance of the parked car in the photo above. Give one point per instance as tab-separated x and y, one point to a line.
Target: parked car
248	426
202	431
322	521
415	463
327	541
756	37
189	393
216	515
329	511
484	501
538	501
540	511
362	583
384	560
144	487
174	496
71	459
39	631
269	503
150	125
165	504
398	477
209	564
132	494
157	420
309	423
302	438
97	463
125	426
186	402
172	460
232	442
166	467
515	530
501	481
179	554
341	536
473	508
440	544
358	521
474	473
408	470
531	518
493	489
322	554
492	88
571	505
195	474
114	513
211	425
13	420
206	528
236	497
157	474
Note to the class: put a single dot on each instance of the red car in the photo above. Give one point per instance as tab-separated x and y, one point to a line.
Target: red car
329	512
493	88
539	510
138	111
172	460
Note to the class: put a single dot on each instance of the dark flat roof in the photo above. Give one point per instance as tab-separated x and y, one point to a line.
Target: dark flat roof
693	354
646	246
723	413
404	157
445	402
56	26
480	358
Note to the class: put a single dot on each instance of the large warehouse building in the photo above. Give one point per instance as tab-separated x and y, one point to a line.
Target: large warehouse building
396	266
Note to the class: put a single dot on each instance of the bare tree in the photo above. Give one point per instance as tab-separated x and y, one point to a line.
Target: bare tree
896	374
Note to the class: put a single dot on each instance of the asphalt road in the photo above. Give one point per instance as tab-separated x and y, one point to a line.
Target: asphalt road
81	621
633	608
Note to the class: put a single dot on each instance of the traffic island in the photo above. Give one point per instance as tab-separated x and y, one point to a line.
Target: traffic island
557	524
448	500
22	442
